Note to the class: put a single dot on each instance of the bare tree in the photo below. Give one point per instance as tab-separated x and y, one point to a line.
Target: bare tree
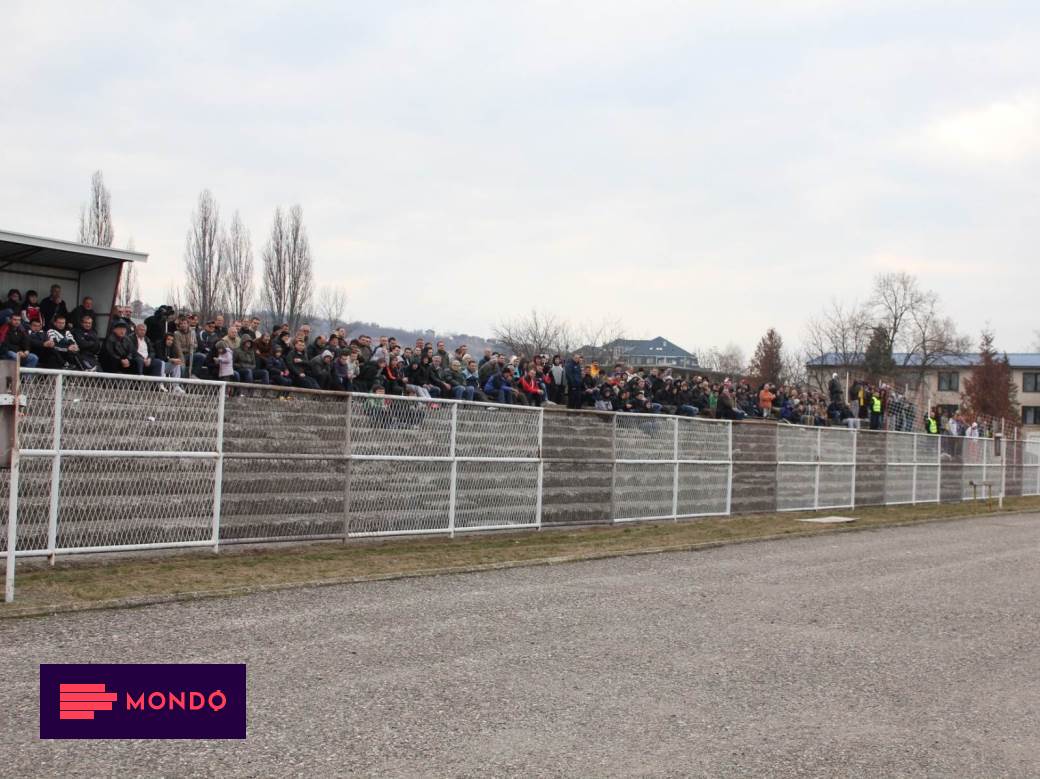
204	266
729	360
535	333
95	217
1036	343
129	288
332	305
174	296
288	274
236	251
913	321
841	331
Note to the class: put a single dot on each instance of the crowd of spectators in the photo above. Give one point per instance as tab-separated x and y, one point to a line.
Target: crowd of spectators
167	343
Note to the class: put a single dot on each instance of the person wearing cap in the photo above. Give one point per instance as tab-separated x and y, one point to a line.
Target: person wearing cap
117	352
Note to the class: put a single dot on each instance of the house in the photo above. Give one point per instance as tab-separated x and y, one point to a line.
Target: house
657	352
942	381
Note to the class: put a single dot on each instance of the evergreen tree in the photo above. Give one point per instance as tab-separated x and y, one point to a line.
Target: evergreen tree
990	390
878	357
767	365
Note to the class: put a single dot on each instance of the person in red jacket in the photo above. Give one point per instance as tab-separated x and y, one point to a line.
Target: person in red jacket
532	387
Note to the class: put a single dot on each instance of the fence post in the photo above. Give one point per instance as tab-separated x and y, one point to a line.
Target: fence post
613	466
12	526
52	516
913	473
218	479
541	467
729	481
350	468
1003	464
675	468
855	455
454	470
12	498
938	470
819	457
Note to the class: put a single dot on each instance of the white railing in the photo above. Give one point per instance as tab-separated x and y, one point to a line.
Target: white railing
108	463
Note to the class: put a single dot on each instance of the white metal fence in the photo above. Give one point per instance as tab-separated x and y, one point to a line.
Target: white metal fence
670	467
114	463
816	467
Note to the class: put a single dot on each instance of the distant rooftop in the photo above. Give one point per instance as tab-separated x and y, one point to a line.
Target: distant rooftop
657	347
901	359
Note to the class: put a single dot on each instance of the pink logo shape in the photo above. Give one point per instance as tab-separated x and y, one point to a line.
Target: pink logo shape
80	701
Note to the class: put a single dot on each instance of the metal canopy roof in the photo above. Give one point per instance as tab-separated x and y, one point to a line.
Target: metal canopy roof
54	253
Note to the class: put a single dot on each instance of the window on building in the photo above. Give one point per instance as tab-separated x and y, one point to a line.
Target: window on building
1031	415
949	381
1031	382
948	409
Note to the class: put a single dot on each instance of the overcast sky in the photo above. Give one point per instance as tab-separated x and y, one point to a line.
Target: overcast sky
702	170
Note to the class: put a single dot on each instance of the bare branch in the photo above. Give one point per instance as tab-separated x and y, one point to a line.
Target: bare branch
536	333
288	274
204	266
95	218
236	251
332	305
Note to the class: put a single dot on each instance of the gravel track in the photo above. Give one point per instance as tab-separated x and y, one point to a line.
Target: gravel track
906	651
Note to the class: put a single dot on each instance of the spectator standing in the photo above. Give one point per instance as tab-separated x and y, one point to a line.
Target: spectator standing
765	400
573	378
876	409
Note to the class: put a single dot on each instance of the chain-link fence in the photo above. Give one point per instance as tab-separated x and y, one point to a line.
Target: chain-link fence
1031	467
816	467
670	467
112	463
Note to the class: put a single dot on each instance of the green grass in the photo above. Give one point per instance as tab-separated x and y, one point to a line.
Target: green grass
84	583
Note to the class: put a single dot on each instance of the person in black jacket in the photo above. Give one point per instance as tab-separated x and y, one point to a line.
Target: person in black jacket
15	345
87	340
574	376
117	352
421	375
156	326
53	305
86	308
42	346
277	369
297	363
369	374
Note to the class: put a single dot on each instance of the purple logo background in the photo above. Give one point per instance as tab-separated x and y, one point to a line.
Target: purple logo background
228	722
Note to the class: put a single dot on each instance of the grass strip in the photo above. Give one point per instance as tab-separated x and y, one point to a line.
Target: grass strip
77	583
